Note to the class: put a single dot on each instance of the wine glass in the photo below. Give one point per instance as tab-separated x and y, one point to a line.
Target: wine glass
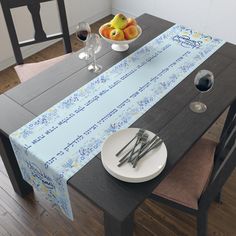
83	31
203	81
94	45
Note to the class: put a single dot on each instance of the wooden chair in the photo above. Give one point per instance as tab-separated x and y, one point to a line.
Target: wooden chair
27	71
198	178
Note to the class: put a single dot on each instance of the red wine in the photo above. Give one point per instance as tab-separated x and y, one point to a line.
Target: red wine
82	35
204	83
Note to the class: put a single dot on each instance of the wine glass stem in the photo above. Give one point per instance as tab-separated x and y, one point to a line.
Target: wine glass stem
84	46
94	60
200	97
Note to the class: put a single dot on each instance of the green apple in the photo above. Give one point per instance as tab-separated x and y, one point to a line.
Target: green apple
119	21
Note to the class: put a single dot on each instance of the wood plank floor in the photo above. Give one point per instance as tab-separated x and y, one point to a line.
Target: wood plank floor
34	216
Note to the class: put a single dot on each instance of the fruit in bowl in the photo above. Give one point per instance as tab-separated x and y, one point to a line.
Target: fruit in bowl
131	32
117	34
106	30
131	21
120	21
120	31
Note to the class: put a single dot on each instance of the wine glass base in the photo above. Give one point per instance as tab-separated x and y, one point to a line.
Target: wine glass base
84	56
120	47
198	107
95	68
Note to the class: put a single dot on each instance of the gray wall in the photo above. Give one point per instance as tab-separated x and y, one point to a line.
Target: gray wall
77	10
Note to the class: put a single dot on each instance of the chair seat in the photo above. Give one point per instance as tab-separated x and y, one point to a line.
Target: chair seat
29	70
186	182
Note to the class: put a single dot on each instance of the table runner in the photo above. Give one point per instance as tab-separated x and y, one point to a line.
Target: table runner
55	145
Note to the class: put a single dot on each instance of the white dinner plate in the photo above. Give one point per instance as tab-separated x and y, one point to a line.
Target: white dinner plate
150	166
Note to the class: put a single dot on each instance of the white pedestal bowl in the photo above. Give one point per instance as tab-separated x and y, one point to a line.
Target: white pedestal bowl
121	46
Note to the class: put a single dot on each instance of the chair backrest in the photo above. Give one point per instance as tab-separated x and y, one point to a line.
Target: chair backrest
40	35
225	158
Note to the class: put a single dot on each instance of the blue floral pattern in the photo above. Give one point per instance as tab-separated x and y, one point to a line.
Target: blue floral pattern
58	143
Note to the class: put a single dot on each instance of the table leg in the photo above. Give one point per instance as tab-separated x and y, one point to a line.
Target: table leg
20	186
114	227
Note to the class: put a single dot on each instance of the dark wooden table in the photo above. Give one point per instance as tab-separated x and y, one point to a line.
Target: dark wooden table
171	118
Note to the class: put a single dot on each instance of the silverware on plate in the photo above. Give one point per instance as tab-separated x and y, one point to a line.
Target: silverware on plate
154	145
138	134
143	141
133	156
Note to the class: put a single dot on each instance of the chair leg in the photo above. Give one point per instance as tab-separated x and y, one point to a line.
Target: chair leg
218	198
202	223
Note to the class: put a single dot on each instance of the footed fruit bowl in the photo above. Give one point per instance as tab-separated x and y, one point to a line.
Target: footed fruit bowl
121	45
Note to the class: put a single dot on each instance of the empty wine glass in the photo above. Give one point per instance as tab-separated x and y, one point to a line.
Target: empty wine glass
203	81
94	45
83	31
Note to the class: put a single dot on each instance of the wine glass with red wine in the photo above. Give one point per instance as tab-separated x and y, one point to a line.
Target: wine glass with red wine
83	31
203	81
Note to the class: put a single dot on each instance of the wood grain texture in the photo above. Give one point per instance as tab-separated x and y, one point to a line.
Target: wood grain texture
34	216
172	119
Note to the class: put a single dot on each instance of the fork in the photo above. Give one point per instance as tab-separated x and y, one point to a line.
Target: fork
139	136
154	145
140	132
143	141
125	157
